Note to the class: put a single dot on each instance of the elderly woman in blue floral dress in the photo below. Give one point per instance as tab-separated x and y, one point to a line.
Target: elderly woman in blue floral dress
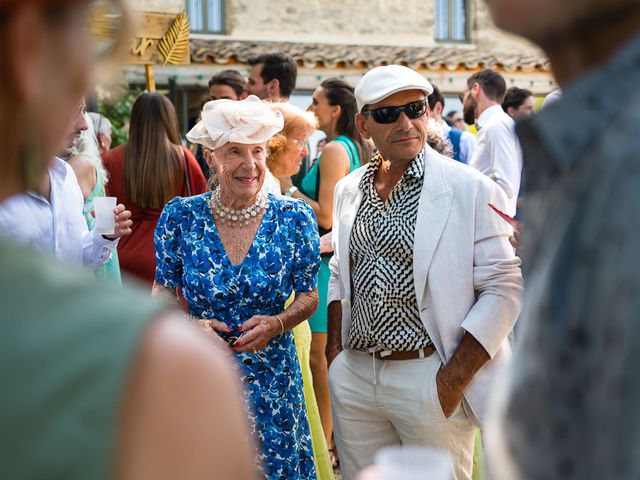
237	254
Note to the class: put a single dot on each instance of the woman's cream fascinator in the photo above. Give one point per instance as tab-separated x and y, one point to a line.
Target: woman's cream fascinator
247	121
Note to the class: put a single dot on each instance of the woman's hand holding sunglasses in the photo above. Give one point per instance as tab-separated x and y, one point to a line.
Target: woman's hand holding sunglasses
256	333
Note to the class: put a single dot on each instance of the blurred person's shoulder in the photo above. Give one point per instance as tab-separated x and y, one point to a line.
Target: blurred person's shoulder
89	371
68	343
31	277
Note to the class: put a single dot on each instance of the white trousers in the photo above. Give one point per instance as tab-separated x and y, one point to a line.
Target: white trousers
393	402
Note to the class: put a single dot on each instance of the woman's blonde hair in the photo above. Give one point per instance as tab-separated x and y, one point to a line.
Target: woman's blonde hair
88	146
296	122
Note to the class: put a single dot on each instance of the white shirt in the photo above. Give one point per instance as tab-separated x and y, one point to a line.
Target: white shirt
498	153
271	184
57	227
468	142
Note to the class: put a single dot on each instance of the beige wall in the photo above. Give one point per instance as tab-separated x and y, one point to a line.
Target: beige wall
352	21
387	22
486	35
169	6
382	22
377	22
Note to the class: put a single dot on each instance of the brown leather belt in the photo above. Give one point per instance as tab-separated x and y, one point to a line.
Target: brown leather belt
410	355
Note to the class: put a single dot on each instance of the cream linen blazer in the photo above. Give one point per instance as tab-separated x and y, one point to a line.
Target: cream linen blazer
467	277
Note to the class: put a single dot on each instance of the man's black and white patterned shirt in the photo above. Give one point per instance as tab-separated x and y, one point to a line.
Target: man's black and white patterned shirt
385	309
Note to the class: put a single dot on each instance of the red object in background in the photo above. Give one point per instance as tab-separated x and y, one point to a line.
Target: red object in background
136	252
510	220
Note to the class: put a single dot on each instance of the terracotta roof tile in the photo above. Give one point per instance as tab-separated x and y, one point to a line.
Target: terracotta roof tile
312	55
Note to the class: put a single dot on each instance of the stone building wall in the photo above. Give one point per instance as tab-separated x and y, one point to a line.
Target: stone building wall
487	36
169	6
378	22
330	38
382	22
359	21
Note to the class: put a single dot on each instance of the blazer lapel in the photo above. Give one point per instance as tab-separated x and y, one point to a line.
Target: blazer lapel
433	211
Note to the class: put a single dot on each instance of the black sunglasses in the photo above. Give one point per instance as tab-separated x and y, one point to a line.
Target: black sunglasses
391	114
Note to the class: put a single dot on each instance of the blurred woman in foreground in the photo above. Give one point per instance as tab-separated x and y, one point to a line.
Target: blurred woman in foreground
107	383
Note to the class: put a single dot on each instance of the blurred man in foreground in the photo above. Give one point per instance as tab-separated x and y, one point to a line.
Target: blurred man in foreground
572	404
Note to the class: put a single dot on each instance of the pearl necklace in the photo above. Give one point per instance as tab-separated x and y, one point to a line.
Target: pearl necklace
237	218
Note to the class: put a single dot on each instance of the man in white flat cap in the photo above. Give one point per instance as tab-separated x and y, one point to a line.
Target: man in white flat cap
424	289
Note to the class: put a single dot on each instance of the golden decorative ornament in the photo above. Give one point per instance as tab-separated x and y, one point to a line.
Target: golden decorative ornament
175	42
110	26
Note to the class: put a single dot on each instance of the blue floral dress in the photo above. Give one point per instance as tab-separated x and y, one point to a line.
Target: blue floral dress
284	257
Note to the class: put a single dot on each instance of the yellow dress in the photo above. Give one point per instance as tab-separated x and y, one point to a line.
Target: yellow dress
302	340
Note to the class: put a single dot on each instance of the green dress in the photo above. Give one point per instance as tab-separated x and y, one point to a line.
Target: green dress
310	186
65	353
111	269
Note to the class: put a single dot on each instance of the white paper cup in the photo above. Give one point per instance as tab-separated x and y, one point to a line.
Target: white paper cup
105	218
414	463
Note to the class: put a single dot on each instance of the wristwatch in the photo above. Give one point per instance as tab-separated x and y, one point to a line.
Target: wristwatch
291	191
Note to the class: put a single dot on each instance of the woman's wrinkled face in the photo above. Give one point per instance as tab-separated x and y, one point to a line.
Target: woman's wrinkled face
288	163
240	169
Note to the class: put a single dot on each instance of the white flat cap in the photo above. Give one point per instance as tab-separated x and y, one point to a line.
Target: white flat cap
380	82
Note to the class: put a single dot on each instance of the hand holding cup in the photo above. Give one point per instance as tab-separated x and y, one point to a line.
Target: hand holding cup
113	221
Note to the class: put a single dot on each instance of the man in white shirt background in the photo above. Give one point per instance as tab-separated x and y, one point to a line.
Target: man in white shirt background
498	153
463	143
52	221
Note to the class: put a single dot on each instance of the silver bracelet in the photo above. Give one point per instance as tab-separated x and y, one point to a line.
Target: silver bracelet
291	191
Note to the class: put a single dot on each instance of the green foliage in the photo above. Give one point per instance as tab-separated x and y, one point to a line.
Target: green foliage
118	110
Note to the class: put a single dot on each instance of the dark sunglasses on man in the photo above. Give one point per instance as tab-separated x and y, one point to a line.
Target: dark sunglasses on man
412	110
